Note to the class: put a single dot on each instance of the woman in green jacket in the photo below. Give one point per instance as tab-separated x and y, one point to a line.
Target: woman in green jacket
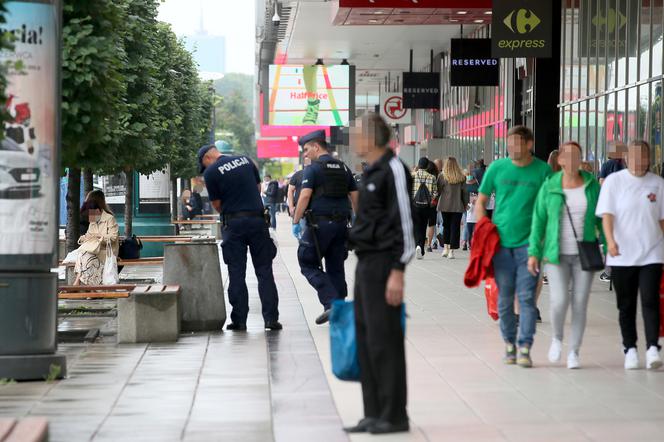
552	240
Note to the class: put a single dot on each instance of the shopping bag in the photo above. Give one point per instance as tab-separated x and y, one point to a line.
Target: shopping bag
343	341
491	294
110	275
661	307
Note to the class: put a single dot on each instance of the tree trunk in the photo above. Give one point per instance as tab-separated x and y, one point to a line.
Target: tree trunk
129	203
174	198
88	183
73	208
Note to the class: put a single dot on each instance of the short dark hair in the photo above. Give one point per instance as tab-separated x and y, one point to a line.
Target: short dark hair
524	132
572	143
322	143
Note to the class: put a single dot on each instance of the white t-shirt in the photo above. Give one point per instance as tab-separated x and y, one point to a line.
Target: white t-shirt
637	205
578	204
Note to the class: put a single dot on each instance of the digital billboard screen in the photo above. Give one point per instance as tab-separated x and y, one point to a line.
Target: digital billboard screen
315	95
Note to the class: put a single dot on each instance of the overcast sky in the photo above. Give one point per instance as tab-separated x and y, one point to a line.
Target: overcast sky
234	19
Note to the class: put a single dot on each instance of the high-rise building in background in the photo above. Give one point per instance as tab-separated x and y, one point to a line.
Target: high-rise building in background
209	51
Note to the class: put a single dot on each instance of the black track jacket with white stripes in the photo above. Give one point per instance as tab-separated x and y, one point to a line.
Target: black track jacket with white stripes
384	222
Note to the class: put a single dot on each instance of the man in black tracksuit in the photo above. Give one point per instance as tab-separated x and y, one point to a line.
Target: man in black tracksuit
383	240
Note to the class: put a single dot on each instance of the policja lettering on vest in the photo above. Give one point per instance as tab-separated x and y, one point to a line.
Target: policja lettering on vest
328	189
233	184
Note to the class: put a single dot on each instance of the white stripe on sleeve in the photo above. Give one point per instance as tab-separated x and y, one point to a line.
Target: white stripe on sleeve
403	201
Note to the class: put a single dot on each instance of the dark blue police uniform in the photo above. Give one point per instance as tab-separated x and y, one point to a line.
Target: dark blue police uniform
331	181
234	180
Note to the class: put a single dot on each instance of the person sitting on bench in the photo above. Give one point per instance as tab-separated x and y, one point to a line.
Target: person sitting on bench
103	230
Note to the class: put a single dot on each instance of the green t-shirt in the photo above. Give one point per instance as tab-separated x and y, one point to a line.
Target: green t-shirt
516	189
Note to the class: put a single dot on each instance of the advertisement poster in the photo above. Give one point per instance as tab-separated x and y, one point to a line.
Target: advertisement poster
309	95
154	189
27	184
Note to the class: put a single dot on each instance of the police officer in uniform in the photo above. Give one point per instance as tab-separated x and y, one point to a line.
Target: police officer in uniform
234	185
383	240
328	189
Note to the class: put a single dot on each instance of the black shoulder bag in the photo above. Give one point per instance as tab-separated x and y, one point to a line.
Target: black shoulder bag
589	252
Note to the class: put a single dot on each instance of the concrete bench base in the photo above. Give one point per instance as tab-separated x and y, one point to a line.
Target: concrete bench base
32	367
147	316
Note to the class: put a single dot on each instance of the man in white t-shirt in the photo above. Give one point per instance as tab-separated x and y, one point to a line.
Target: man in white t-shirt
631	205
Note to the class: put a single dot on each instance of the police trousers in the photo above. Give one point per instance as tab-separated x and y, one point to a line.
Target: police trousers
238	234
380	342
331	283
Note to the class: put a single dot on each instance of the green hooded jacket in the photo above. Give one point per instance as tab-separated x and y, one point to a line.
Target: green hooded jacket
544	243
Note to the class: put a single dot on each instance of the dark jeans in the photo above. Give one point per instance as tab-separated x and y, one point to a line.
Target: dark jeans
628	282
380	342
421	220
273	214
470	227
239	234
452	229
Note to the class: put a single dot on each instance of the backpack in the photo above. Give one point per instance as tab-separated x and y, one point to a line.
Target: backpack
422	197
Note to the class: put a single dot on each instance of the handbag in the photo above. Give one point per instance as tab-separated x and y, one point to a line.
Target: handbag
589	253
130	248
110	275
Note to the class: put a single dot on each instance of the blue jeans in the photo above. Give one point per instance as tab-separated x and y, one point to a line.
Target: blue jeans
273	214
512	276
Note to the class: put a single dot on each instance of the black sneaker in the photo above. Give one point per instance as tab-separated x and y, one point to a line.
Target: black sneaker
545	280
539	316
429	249
362	426
323	318
273	325
236	327
604	277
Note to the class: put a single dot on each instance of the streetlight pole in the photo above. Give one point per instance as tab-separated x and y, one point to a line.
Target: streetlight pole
214	115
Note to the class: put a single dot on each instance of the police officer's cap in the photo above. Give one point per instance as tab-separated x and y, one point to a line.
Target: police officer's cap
201	153
312	136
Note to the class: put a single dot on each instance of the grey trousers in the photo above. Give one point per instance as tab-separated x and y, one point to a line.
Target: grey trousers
560	276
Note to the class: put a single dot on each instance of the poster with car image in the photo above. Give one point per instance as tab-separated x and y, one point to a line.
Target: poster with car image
27	152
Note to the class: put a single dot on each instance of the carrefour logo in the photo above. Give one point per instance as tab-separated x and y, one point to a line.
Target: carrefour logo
522	21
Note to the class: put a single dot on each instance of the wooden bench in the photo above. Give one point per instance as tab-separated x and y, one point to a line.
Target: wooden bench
29	429
146	313
165	238
149	261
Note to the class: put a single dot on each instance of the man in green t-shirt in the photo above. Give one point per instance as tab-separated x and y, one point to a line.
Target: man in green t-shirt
515	181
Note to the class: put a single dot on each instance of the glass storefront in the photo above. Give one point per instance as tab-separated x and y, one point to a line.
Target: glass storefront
611	74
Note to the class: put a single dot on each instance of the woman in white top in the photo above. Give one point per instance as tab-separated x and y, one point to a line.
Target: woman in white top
565	210
631	205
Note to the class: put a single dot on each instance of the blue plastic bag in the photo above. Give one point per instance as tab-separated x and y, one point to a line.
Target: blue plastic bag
343	340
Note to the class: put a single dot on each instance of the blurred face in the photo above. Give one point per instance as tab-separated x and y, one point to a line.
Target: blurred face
94	215
360	141
638	160
208	158
518	148
570	158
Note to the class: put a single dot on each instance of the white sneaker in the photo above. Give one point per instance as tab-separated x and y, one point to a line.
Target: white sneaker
555	350
446	252
631	359
573	360
653	361
451	254
418	252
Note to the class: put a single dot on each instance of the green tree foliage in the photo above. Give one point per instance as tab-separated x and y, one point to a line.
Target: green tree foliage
132	99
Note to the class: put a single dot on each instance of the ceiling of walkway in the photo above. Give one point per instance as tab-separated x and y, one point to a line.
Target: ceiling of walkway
375	50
